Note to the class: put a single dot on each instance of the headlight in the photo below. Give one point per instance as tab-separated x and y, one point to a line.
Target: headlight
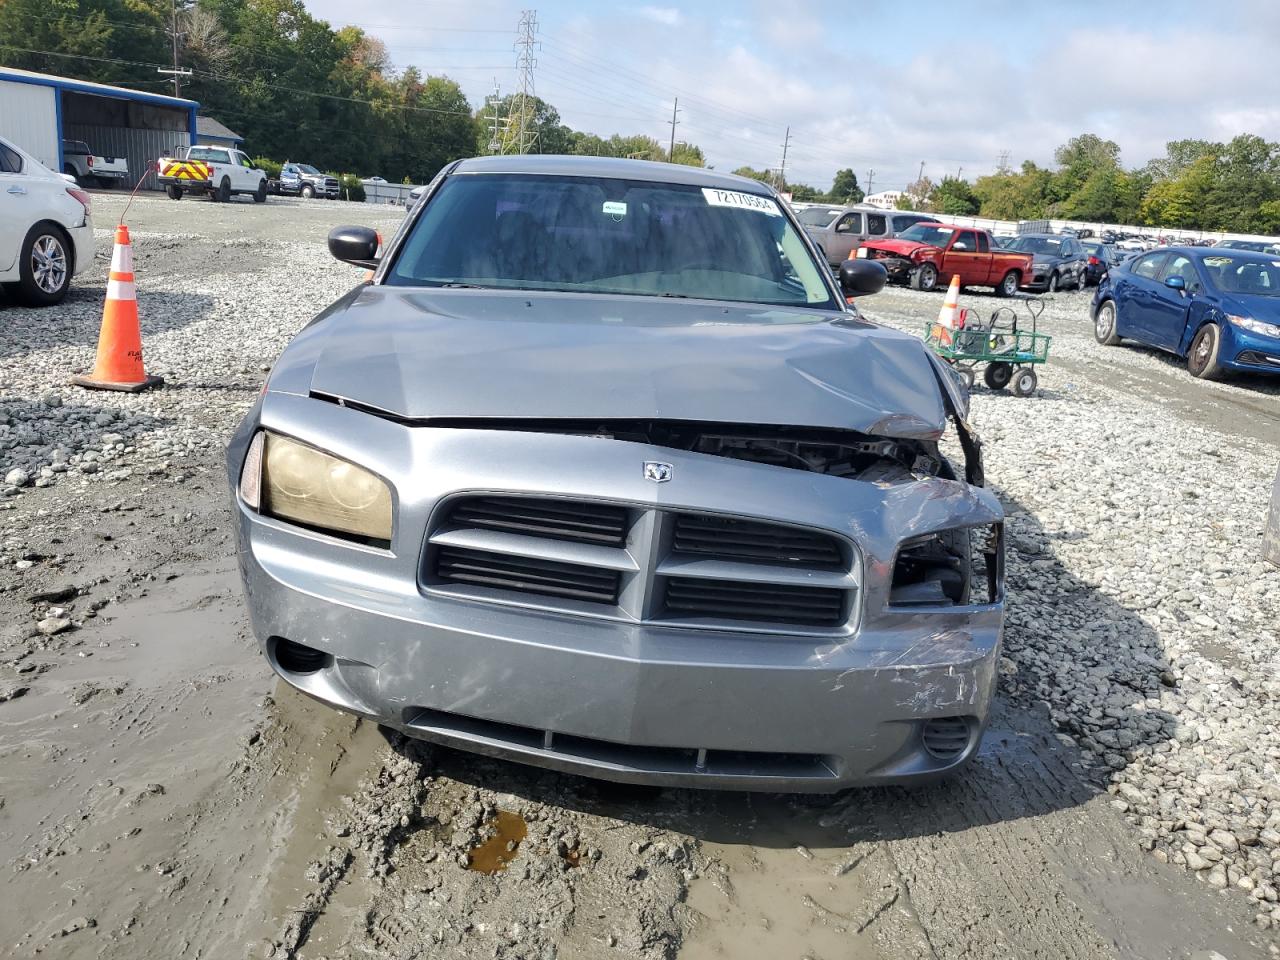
1255	326
292	481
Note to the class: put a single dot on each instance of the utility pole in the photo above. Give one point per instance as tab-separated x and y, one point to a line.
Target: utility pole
871	178
782	169
921	176
675	108
959	172
177	71
525	62
495	145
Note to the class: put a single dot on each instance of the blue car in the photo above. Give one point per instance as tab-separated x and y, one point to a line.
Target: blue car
1216	307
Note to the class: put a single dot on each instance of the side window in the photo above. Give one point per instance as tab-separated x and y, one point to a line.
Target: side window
966	242
10	161
1148	266
983	245
1180	266
876	224
850	223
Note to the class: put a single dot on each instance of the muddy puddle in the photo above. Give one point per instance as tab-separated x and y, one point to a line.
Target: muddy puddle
494	854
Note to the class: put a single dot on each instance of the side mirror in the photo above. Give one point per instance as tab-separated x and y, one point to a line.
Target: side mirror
355	245
960	248
862	278
1176	283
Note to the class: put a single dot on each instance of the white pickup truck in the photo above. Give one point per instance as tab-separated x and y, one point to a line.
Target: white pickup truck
218	172
78	161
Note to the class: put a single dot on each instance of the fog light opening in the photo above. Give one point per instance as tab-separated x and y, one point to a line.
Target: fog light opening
295	658
945	738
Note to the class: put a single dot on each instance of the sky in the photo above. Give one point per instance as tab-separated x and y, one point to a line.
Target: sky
868	84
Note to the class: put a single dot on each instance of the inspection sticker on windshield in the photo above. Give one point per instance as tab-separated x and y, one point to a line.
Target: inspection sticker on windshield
747	201
615	208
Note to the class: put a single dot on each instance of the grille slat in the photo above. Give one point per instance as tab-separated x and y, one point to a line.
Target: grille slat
527	575
554	519
740	575
735	600
750	540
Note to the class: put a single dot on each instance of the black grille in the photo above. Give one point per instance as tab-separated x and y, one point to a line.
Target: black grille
1260	359
746	600
946	737
502	571
571	520
728	538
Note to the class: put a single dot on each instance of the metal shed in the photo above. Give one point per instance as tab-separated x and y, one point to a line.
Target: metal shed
39	110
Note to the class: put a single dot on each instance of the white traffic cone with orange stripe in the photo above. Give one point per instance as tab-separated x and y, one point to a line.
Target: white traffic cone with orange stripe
119	361
949	315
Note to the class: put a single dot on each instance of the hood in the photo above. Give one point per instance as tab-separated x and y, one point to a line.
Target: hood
901	247
448	354
1266	309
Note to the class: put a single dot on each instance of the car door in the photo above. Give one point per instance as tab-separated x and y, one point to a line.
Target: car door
1136	297
249	177
963	259
1079	262
1170	308
845	237
15	206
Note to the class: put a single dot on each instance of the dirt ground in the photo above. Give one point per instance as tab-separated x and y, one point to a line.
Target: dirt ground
163	796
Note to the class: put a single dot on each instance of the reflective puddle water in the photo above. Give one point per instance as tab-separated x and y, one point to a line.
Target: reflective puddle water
499	850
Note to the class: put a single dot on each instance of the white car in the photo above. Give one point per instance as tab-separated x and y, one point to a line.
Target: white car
46	232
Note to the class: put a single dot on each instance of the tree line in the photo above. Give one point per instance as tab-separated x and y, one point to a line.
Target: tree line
293	86
1196	185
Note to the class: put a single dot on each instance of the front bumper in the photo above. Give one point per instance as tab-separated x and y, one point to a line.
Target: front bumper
607	697
1037	279
1250	352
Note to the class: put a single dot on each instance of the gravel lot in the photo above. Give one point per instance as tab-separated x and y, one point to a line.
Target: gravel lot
163	797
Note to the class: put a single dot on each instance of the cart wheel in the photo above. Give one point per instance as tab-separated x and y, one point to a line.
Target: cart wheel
967	376
1024	382
997	375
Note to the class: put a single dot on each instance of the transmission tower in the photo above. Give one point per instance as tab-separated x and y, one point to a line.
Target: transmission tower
526	43
1002	165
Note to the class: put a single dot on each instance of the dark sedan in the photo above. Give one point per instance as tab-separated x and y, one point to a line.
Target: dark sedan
1216	307
1057	261
1099	258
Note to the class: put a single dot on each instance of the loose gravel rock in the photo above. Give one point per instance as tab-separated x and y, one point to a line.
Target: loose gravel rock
1140	609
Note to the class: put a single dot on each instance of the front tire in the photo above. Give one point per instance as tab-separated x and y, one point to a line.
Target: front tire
308	191
997	375
173	191
925	278
1052	286
45	265
1203	360
260	195
1104	324
1008	284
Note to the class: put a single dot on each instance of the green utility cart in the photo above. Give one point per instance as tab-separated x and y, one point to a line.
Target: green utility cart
1009	355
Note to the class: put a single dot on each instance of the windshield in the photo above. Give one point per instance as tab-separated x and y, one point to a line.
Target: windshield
610	236
930	233
817	216
1048	246
307	168
1246	275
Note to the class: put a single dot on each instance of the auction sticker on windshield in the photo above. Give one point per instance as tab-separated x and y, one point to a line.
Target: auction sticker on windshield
746	201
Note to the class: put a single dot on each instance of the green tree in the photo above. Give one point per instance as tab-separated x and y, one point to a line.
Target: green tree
688	155
955	197
764	176
845	189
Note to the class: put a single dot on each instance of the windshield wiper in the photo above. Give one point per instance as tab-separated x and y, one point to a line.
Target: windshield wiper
682	296
466	286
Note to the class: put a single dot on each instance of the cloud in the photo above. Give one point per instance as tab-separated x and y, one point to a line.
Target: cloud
667	16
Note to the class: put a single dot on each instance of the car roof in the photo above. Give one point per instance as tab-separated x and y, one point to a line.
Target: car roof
1257	256
1049	236
613	167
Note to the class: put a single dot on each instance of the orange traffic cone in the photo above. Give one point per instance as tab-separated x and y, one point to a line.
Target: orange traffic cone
949	315
119	363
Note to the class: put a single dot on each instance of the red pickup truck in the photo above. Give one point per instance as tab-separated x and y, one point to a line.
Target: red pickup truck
930	254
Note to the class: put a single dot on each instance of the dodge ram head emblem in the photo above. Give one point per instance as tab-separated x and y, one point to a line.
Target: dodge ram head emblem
657	472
